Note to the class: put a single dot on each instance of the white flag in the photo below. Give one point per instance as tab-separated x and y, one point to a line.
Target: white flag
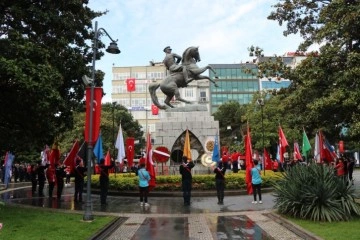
120	145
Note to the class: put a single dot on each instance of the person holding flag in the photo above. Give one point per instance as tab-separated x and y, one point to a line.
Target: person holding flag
220	181
186	179
104	180
79	173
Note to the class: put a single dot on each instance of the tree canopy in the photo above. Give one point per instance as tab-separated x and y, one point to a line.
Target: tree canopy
44	53
325	91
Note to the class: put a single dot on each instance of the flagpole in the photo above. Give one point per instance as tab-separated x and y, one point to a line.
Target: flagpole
88	216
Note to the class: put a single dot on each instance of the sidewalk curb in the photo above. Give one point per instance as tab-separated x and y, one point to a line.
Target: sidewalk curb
296	229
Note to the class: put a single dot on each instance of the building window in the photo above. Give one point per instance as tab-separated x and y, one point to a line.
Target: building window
189	93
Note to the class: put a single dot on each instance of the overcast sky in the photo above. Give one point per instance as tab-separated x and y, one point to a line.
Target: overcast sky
223	29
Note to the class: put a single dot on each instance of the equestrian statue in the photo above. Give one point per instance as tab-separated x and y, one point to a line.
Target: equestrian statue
180	75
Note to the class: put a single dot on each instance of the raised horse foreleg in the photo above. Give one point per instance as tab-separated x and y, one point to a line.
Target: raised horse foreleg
208	78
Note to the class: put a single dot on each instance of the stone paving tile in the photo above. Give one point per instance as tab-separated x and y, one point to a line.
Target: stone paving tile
128	229
198	228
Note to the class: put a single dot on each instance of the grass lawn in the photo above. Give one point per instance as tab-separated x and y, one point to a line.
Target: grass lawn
40	224
331	230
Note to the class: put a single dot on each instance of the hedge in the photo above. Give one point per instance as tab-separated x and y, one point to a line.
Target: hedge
129	181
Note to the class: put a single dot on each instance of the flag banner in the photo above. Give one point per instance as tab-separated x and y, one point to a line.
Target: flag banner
107	161
70	159
119	145
82	153
282	144
216	150
249	161
267	160
149	163
317	148
187	148
297	155
306	147
98	94
154	110
341	147
161	154
98	149
9	160
130	151
329	153
45	155
54	155
130	84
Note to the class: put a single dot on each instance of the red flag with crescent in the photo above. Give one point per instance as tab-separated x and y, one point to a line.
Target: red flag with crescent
154	110
130	84
98	93
130	151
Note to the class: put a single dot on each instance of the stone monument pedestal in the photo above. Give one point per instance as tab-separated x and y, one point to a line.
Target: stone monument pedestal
170	132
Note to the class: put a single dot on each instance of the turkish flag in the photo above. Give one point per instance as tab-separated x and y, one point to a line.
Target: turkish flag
249	161
107	161
341	147
130	151
98	93
72	156
267	160
130	84
154	109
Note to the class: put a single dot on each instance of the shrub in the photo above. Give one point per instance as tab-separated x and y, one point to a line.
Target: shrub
314	192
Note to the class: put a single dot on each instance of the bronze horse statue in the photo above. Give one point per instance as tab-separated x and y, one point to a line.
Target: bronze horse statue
172	83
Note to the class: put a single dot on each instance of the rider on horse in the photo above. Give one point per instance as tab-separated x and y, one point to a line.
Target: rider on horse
172	61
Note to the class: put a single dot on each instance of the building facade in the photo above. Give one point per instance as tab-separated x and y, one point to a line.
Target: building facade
139	101
235	83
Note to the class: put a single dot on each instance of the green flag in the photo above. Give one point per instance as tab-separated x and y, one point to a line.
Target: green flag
306	147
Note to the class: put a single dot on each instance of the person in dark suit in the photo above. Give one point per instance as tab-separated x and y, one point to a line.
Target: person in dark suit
104	180
79	180
41	177
60	174
186	179
220	181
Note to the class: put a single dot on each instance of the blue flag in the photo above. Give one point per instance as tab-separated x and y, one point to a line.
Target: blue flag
8	165
216	150
98	149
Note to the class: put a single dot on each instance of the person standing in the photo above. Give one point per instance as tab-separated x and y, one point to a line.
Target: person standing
144	178
79	180
235	161
60	174
67	179
220	181
33	178
256	181
41	177
50	175
186	179
104	181
351	164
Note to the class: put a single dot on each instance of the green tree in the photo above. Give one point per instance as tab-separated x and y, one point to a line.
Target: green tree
231	126
325	93
44	52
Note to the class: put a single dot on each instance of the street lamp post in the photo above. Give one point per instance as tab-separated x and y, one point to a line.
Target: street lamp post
114	50
260	101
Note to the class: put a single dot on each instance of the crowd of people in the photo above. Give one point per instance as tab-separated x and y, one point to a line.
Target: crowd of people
41	172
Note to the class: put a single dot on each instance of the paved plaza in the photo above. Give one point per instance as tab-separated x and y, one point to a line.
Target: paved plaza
167	217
